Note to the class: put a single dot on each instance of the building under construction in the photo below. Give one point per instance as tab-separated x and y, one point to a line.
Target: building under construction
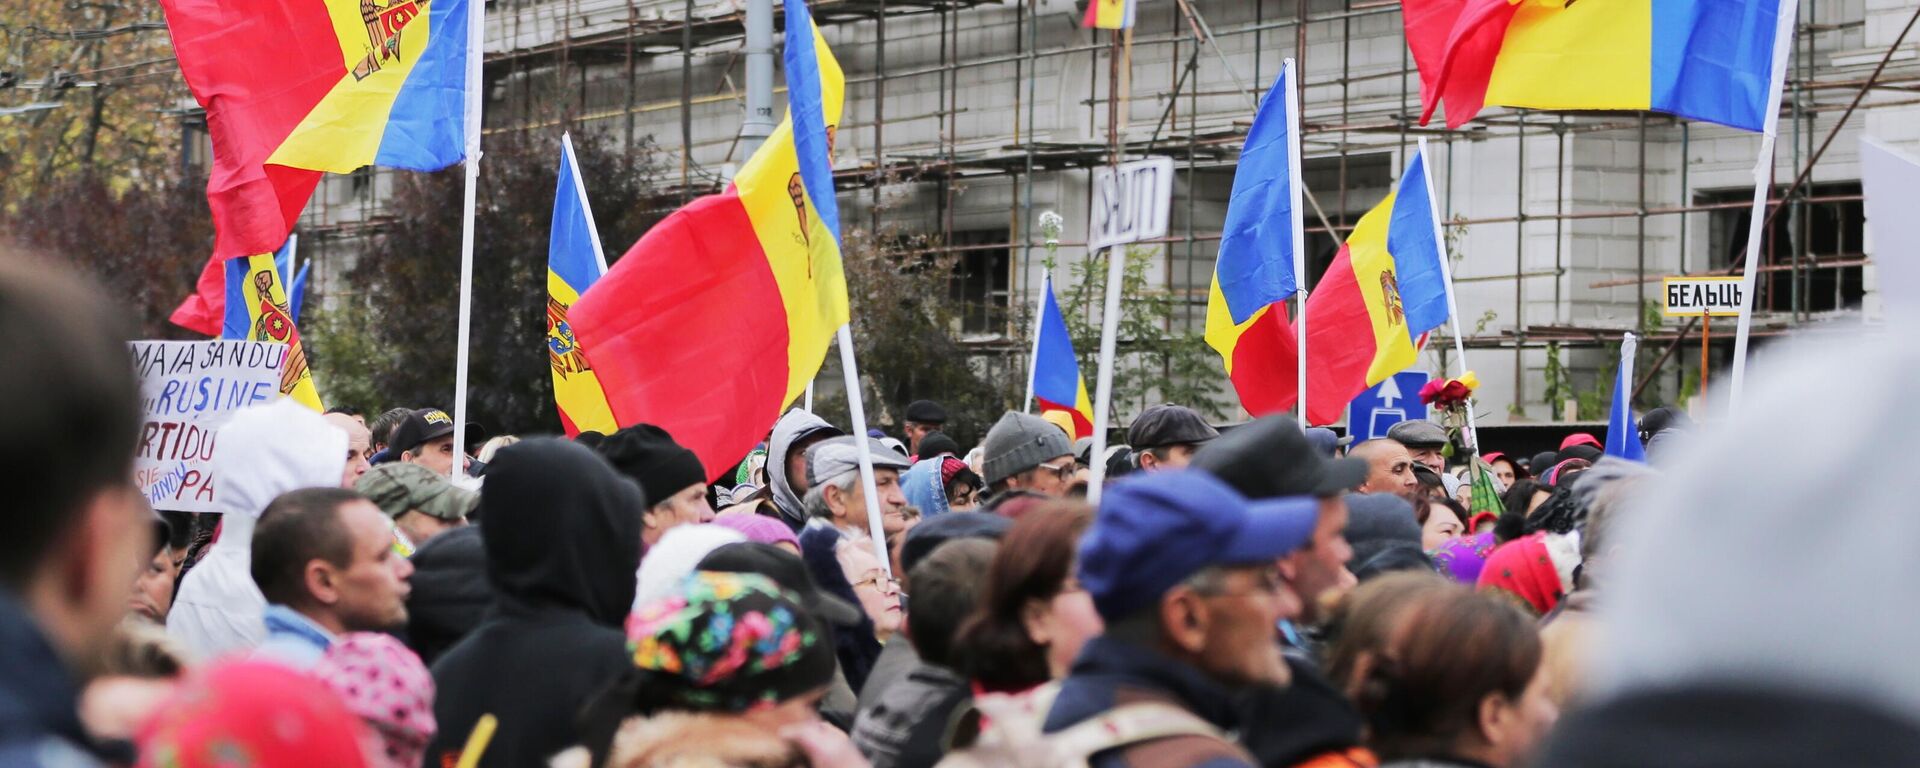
966	120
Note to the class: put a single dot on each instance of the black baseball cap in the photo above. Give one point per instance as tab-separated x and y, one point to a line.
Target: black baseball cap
786	569
1272	457
424	425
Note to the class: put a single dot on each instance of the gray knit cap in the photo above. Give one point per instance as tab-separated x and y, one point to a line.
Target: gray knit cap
1019	442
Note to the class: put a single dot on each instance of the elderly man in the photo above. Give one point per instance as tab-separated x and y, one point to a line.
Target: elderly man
923	417
422	503
1184	572
359	440
1426	442
1165	436
1027	453
671	476
1389	467
838	498
324	560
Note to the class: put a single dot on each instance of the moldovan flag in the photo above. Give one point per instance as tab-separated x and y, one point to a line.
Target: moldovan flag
574	264
1366	319
1109	14
257	310
716	320
295	88
1057	383
1712	60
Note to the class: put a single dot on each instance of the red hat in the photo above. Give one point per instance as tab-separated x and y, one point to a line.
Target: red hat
253	713
1579	438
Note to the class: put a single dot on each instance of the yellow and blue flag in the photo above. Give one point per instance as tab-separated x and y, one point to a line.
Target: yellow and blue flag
1057	383
257	309
1109	14
575	262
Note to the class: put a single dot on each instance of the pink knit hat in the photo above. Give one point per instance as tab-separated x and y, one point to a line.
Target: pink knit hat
384	683
760	528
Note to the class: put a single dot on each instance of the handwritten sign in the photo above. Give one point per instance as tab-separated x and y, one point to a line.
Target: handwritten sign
188	389
1130	203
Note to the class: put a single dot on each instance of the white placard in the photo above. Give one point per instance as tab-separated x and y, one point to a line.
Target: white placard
1701	296
1130	202
187	390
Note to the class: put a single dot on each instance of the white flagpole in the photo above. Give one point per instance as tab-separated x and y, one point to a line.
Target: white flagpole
1446	278
1762	185
1039	321
476	21
1295	188
580	192
867	486
1103	400
808	406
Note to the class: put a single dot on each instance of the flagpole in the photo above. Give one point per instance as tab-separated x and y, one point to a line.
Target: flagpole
1103	399
476	19
851	370
1039	322
1762	184
1446	278
1295	186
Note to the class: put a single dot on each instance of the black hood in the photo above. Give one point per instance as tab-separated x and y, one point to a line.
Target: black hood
562	530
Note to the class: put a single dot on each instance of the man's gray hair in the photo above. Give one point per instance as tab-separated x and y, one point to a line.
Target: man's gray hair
815	502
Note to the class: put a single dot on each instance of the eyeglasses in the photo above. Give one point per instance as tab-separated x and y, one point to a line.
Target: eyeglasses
880	581
1064	470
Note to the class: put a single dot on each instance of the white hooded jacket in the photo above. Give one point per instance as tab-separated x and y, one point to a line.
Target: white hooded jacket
262	452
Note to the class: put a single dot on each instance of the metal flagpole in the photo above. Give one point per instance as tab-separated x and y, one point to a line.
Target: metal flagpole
1446	277
1762	183
1295	187
1039	321
867	486
476	21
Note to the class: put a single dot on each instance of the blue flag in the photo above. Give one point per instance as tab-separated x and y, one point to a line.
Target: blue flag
297	292
808	112
1257	244
1412	238
1623	431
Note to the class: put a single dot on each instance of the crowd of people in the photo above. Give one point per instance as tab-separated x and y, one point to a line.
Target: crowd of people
1259	594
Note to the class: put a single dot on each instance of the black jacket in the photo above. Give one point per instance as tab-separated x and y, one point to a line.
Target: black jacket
39	720
450	592
1751	727
1286	726
907	727
562	538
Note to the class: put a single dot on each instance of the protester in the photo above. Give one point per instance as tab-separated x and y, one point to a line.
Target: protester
1370	618
1760	616
134	675
261	452
493	446
381	430
358	440
1034	617
1389	466
940	485
837	495
1460	685
153	589
790	572
1519	502
1661	431
1441	521
421	503
1534	571
324	560
924	417
898	656
562	537
1610	493
1425	442
677	555
1328	443
1428	483
450	591
387	687
760	528
935	445
844	566
1182	570
672	478
257	714
425	437
1465	557
1165	436
1025	453
1505	471
793	435
715	672
1384	534
76	529
907	726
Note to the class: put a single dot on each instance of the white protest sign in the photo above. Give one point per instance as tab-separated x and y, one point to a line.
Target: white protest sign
187	390
1130	202
1712	296
1891	180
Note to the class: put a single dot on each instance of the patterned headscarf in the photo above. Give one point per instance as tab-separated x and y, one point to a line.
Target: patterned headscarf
1464	557
728	642
1535	570
252	714
389	688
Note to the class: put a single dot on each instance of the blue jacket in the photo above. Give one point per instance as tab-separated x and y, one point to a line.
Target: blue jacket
1109	673
39	712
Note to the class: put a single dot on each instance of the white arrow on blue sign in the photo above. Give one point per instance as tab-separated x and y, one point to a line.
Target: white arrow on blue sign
1390	402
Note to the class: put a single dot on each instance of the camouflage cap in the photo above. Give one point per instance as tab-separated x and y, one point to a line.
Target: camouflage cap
399	488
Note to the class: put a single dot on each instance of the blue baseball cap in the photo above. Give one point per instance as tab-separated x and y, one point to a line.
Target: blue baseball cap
1153	531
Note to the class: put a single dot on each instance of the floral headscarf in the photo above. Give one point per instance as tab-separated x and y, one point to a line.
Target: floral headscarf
729	642
252	714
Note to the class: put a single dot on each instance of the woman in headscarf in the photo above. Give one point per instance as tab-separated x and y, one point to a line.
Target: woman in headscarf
1535	571
940	485
721	668
388	688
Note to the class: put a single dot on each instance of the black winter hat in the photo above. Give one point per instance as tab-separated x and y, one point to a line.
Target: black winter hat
649	455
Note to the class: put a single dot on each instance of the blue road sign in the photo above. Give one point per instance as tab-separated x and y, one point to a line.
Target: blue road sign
1390	402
